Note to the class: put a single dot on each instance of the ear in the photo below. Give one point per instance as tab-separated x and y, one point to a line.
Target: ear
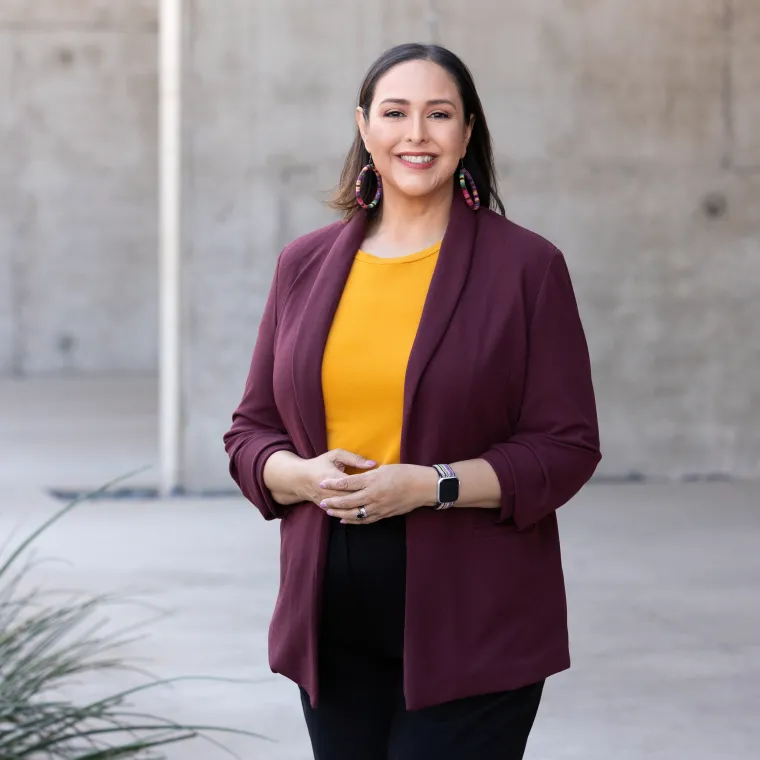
468	132
361	122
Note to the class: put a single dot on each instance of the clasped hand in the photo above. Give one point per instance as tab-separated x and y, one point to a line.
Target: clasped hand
387	491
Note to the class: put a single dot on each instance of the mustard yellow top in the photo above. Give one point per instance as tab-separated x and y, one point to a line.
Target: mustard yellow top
367	350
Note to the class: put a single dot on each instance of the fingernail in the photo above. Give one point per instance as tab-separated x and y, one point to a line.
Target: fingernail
371	463
322	484
329	512
343	522
323	504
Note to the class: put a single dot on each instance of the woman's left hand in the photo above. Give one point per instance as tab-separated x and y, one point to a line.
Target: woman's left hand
392	489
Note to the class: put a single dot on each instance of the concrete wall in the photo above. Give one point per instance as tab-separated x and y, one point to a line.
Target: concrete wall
625	132
78	281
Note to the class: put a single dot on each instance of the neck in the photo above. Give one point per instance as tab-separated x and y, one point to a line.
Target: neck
412	222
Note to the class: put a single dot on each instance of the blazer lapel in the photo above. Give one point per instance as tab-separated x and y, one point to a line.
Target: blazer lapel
314	328
318	314
446	287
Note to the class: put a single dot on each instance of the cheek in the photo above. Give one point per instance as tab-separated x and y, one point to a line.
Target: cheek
449	161
383	137
453	144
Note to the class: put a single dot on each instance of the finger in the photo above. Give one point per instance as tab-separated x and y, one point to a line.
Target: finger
345	514
345	483
351	517
349	459
366	521
344	503
327	494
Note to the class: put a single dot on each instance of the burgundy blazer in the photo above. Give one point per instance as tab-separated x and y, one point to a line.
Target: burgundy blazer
499	370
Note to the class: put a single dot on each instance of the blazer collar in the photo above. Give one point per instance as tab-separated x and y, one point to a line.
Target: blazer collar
445	290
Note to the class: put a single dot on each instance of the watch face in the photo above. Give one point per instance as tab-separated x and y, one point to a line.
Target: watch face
448	490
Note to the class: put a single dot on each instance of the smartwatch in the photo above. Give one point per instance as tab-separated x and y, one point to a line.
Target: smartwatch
448	486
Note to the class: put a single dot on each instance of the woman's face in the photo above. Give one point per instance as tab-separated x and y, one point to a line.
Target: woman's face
416	130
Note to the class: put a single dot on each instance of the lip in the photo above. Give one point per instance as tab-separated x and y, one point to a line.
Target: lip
417	167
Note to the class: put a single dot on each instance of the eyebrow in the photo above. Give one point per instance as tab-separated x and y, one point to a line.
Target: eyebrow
402	102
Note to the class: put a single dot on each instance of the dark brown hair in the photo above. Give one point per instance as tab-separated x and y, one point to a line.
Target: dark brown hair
479	157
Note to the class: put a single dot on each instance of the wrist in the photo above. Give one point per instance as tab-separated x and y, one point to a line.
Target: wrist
428	487
302	482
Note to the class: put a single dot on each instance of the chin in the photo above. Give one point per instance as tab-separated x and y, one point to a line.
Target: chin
414	190
416	193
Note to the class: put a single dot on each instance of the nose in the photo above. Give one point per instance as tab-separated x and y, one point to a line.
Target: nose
417	129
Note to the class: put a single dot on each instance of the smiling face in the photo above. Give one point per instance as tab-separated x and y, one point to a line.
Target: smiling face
417	131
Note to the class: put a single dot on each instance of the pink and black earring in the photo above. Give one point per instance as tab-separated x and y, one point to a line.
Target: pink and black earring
360	179
473	201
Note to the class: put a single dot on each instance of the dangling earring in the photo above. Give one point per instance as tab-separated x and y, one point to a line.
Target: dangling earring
464	177
359	181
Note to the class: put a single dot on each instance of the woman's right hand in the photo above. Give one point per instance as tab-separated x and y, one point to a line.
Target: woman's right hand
332	464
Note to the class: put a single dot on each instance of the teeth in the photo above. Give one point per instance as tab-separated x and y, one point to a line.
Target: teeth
418	159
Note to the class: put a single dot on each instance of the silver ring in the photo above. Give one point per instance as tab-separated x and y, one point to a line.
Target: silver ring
361	514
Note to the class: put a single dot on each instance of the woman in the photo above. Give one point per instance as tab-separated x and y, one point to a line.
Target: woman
418	406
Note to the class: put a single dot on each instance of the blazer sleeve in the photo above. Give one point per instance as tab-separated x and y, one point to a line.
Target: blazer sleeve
257	429
555	447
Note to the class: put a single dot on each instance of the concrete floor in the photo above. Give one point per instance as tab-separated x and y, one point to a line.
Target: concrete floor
663	581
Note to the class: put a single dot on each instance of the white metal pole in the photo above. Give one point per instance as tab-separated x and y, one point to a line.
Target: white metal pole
170	410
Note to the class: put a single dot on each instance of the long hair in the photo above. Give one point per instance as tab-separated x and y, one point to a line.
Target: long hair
478	160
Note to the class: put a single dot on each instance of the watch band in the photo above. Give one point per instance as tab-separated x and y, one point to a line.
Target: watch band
444	471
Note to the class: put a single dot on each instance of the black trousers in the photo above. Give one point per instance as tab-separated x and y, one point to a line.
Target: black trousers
362	714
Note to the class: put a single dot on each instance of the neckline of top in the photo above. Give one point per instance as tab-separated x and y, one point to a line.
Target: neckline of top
369	258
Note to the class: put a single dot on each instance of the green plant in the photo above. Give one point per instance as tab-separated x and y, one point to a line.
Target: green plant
44	646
